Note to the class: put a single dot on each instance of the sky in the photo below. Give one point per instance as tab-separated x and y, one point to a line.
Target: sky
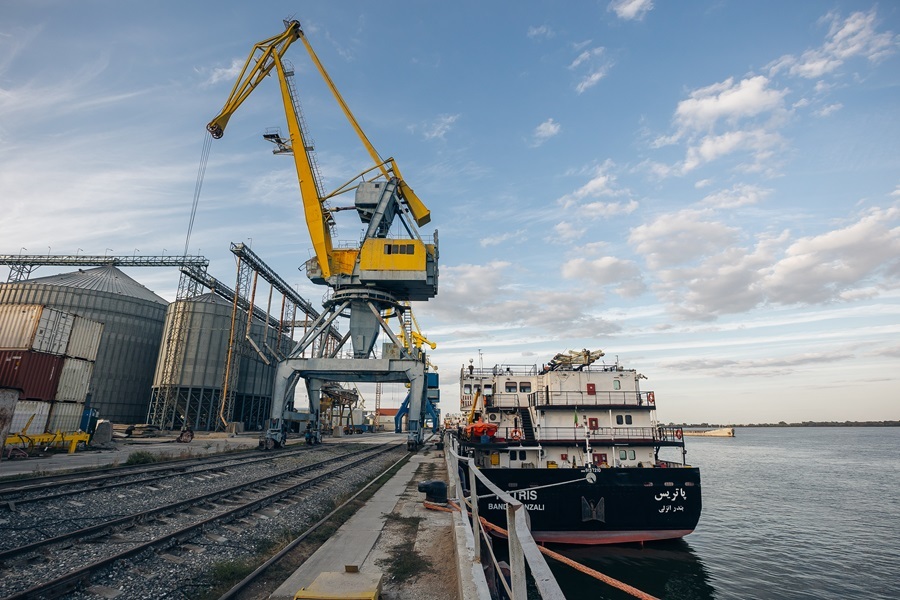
708	191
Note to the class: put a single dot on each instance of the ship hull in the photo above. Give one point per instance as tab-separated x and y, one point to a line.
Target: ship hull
599	506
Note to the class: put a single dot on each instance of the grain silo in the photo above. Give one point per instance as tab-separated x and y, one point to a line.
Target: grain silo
133	319
199	376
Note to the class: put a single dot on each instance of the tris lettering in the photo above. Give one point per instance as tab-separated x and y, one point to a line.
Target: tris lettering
524	494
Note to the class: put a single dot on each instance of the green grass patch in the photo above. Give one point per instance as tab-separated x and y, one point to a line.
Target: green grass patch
405	562
141	457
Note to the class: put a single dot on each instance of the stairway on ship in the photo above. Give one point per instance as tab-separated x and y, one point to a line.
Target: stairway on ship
527	425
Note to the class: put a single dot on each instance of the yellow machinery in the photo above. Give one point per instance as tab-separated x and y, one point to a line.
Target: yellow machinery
390	267
404	267
23	443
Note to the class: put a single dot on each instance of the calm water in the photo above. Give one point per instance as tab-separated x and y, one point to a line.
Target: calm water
787	513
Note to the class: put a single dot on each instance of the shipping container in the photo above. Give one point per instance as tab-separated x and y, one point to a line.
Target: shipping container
74	380
8	400
35	327
25	410
34	373
84	341
65	417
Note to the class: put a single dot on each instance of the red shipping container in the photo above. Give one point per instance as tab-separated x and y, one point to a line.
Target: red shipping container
35	373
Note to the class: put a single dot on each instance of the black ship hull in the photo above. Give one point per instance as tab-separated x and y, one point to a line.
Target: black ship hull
599	506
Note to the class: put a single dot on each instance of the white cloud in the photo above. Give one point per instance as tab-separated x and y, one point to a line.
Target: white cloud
852	37
540	32
819	268
829	110
607	270
702	273
602	183
757	142
545	131
229	73
609	209
729	101
440	127
630	9
596	64
739	195
497	239
677	238
488	297
566	231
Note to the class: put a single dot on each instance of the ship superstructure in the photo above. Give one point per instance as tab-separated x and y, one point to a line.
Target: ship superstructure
579	441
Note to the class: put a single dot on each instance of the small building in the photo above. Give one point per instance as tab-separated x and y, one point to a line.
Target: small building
386	418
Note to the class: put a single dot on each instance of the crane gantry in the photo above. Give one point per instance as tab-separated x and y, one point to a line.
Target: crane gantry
368	282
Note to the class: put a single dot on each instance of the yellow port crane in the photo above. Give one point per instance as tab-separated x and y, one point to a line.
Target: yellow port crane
389	268
404	267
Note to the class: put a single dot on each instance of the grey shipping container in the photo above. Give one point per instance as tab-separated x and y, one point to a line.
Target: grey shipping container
35	327
65	417
8	400
84	341
74	380
25	410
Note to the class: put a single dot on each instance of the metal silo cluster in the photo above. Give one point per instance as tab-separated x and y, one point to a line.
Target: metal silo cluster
132	318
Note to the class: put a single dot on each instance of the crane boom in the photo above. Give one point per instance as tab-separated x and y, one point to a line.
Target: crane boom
267	55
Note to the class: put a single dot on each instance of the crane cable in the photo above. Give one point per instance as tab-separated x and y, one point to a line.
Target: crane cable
633	591
201	172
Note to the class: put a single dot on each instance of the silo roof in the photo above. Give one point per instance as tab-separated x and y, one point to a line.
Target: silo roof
102	279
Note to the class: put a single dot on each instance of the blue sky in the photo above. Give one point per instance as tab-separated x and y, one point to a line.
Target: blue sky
707	190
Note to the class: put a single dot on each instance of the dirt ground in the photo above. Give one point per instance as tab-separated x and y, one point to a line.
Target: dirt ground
416	550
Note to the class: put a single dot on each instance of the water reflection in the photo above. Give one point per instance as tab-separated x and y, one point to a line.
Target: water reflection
669	570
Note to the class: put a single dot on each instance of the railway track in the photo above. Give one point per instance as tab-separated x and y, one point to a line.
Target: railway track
17	493
154	532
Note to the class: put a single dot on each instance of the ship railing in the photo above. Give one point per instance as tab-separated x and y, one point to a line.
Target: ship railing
505	400
523	550
582	398
580	433
499	370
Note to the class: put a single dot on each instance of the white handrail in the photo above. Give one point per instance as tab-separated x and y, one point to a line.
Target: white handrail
522	547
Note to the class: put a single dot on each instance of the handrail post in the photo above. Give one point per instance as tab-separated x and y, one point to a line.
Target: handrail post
516	555
473	499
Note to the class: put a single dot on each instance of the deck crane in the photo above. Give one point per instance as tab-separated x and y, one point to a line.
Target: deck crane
368	281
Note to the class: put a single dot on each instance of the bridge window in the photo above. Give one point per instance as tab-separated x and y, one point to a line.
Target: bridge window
617	385
510	387
628	419
488	389
467	389
525	387
619	420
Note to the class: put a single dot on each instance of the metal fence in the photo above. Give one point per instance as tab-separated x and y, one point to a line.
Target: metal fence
546	397
522	547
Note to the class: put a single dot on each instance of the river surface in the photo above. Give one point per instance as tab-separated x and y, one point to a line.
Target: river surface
788	513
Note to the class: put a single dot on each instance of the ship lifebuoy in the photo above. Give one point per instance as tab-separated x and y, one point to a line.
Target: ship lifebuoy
678	433
651	397
515	435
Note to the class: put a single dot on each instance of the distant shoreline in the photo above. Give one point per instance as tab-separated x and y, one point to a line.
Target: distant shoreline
803	424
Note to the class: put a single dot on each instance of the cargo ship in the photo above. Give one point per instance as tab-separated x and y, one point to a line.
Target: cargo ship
577	441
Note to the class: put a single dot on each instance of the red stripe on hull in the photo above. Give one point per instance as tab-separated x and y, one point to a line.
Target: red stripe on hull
607	537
